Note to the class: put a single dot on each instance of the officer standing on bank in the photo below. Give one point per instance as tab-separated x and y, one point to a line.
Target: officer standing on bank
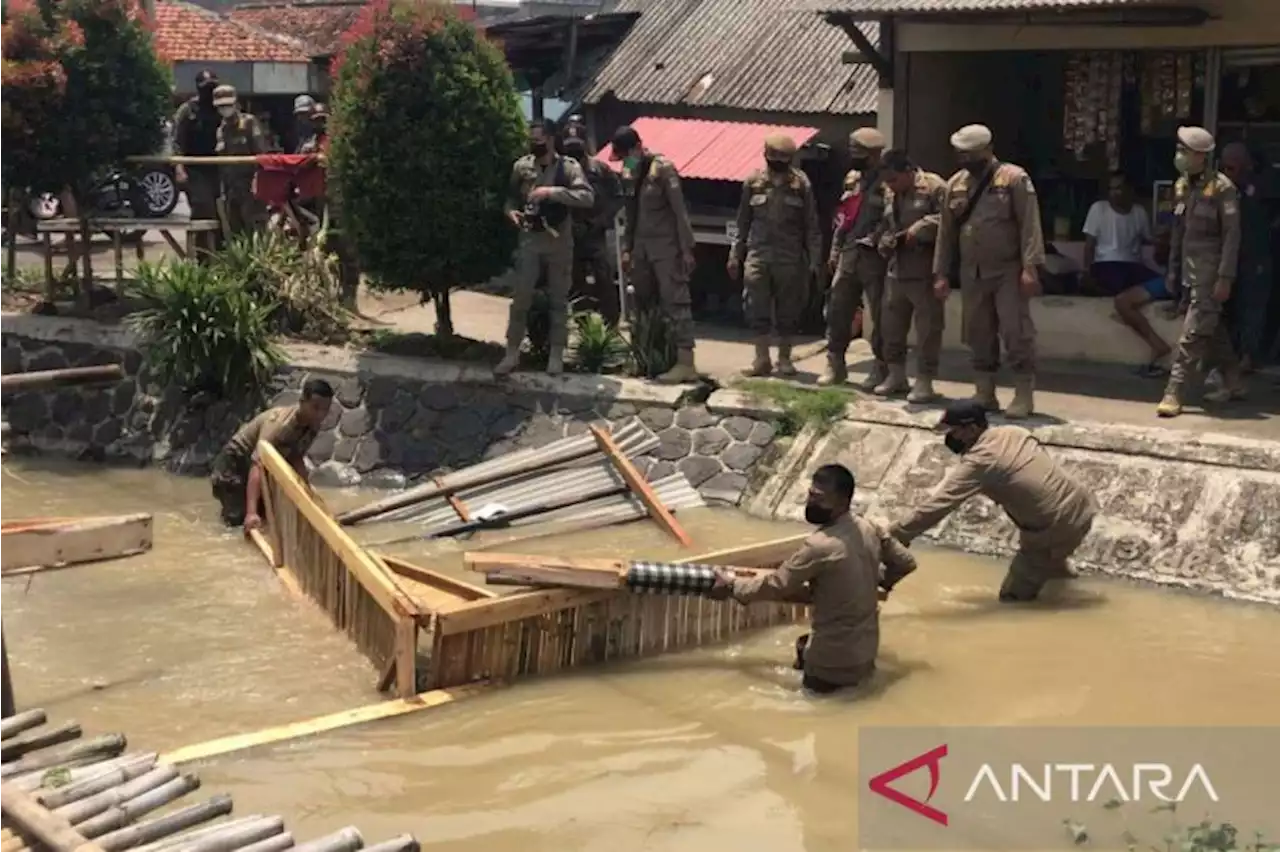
593	279
195	134
239	135
544	186
990	243
856	265
911	226
778	249
1204	251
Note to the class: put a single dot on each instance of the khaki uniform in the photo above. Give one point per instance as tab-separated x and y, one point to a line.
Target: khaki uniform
658	237
1001	238
778	244
279	427
545	250
1204	248
859	266
909	279
241	135
841	565
195	134
1053	512
590	250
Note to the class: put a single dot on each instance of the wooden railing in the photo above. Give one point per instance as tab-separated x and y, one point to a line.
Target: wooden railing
315	557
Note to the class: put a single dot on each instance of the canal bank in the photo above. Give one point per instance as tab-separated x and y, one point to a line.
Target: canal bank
1201	511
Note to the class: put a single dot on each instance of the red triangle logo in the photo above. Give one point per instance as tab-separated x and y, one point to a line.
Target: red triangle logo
932	758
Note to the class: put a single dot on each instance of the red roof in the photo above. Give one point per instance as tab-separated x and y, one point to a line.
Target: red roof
320	24
188	33
710	150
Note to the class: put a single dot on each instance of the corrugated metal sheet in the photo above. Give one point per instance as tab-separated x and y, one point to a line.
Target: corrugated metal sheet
765	55
709	150
885	7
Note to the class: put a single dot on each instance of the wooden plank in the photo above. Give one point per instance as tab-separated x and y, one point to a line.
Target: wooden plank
460	589
108	223
639	486
406	656
550	570
178	250
50	829
66	377
361	565
283	572
323	724
33	546
455	502
763	554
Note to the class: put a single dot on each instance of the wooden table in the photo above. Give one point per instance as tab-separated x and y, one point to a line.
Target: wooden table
115	227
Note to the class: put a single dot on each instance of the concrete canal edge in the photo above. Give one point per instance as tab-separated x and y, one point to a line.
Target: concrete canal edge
1200	511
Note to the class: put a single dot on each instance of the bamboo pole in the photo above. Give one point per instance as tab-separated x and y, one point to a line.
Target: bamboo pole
66	377
278	843
16	723
91	807
110	744
18	746
403	843
344	840
62	796
41	825
255	832
142	802
172	823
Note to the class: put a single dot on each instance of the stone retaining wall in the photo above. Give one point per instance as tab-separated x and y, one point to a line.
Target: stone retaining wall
1197	511
394	418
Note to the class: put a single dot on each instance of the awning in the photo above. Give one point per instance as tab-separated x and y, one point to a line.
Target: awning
709	150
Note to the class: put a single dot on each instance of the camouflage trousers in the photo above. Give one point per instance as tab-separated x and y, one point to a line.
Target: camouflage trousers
859	274
661	280
1205	337
904	301
775	295
1041	558
995	310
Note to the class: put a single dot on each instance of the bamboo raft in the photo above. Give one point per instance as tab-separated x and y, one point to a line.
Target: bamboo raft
59	793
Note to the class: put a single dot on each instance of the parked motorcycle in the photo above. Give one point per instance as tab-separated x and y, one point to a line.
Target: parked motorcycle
147	193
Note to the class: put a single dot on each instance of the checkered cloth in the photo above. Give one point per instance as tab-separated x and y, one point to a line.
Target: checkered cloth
658	578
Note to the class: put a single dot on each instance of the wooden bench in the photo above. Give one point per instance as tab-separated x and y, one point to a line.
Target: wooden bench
115	227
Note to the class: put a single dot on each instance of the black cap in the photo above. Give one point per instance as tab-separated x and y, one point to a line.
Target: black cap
625	138
964	412
573	144
206	78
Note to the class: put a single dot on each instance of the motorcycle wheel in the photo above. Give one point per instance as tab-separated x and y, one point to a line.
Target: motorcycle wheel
157	193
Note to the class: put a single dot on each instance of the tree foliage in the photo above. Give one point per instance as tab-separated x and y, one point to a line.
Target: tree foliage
82	89
425	125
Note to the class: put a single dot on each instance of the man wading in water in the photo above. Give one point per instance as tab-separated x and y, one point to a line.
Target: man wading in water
841	566
290	429
1008	465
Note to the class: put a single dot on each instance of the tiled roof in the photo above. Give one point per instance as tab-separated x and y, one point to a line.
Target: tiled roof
761	55
945	6
709	150
187	33
320	25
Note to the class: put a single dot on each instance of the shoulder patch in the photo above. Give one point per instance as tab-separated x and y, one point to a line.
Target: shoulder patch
1180	187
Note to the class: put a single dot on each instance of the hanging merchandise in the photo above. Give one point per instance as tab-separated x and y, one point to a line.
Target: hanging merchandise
1186	82
1092	108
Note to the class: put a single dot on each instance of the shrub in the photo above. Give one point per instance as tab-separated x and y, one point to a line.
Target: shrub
300	284
653	345
203	332
801	407
598	347
426	124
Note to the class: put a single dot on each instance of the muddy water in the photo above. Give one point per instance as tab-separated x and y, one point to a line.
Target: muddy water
703	751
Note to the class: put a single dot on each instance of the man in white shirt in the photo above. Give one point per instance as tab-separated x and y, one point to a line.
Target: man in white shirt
1115	231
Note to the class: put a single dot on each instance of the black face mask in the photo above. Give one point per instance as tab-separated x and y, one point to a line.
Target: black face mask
860	163
777	166
817	515
205	93
954	444
974	167
538	149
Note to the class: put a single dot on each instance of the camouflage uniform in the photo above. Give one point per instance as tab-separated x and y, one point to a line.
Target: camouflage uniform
548	245
859	266
282	429
1001	238
778	246
909	286
659	237
240	135
1204	249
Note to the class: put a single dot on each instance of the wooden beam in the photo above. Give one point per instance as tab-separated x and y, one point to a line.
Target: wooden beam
39	543
459	588
455	502
323	724
639	486
50	829
550	570
67	377
880	57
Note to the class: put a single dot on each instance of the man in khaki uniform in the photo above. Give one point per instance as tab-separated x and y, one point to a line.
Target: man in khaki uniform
778	248
658	253
911	225
544	186
841	564
990	243
1204	253
239	135
856	265
1007	464
236	477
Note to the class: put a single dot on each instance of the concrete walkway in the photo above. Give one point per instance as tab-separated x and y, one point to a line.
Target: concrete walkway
1067	392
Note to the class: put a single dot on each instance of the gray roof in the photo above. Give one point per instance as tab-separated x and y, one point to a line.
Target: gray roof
885	7
763	55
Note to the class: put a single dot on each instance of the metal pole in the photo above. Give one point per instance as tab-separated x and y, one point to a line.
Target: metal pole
8	708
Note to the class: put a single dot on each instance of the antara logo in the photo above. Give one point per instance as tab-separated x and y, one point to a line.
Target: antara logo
932	759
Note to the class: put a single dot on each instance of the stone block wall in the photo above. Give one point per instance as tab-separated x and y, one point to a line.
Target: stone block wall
1198	511
393	419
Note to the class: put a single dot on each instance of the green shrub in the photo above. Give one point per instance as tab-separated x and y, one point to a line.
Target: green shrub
426	125
653	343
801	407
203	332
598	347
301	285
1203	836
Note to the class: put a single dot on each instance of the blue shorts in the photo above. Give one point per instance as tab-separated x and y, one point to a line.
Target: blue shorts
1157	290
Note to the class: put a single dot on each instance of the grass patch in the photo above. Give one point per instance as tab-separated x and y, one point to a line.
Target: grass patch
801	407
418	345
